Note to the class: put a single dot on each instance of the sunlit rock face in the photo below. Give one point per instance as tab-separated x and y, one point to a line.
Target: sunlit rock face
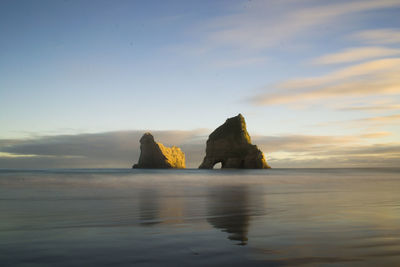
155	155
230	144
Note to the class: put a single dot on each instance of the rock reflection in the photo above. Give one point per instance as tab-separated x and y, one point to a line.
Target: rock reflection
155	207
149	207
228	210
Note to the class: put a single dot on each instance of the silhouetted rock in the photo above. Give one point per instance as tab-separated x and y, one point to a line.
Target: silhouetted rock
230	144
155	155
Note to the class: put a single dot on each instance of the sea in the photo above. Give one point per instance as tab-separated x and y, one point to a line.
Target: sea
190	217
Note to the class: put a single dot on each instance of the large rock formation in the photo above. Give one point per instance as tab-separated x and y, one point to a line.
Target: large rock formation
230	144
155	155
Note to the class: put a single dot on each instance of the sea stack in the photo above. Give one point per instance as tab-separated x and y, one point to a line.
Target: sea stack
154	155
231	145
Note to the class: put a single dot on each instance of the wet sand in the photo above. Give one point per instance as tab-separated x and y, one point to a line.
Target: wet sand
196	217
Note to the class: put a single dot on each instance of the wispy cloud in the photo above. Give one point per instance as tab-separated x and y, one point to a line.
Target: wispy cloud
12	155
378	77
262	24
371	108
258	28
369	123
386	150
313	143
380	119
336	161
379	36
301	143
356	54
376	135
329	151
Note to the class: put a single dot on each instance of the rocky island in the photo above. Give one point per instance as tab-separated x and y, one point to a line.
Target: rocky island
230	144
154	155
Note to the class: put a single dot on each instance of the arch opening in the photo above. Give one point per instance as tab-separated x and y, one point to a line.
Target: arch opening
217	165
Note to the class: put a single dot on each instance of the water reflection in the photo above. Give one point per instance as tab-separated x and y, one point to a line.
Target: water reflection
149	207
291	217
156	206
228	210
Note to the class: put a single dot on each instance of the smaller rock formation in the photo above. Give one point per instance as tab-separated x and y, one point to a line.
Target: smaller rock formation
155	155
230	144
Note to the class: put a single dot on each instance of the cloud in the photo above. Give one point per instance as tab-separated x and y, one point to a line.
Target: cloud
371	108
356	54
376	135
360	70
262	24
386	150
299	143
111	149
378	77
380	119
121	150
379	36
328	151
313	143
11	155
368	122
342	161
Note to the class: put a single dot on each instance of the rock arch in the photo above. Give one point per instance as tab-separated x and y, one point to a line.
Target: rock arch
231	145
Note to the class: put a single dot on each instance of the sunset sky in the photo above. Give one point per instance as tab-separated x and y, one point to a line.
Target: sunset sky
318	82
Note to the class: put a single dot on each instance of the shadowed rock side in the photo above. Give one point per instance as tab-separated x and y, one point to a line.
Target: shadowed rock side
155	155
230	144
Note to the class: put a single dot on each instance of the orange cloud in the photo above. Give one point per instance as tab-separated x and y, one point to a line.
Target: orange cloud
372	108
356	54
380	119
379	36
376	135
378	77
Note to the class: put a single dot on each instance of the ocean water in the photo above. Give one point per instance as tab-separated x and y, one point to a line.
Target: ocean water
123	217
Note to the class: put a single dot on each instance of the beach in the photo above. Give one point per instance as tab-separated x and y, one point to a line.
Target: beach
190	217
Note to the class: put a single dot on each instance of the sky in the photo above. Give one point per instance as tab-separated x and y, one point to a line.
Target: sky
318	82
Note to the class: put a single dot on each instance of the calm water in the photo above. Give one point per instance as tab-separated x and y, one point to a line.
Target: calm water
272	217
